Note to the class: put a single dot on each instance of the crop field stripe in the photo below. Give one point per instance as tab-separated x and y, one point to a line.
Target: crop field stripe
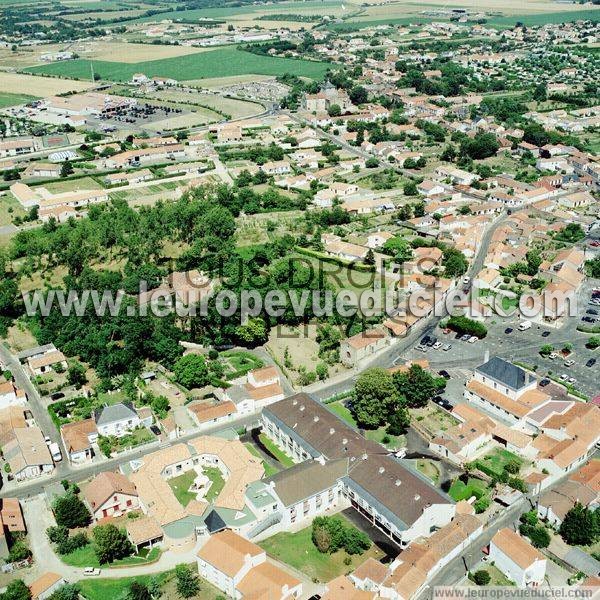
215	63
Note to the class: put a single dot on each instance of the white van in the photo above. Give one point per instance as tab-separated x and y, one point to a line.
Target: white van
524	325
55	452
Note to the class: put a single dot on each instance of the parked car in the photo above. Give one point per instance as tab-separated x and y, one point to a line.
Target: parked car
91	571
545	333
466	280
444	374
47	440
437	345
447	347
465	338
569	362
553	355
473	339
432	341
591	311
425	340
442	402
544	382
588	319
508	330
57	396
564	377
591	362
422	348
572	380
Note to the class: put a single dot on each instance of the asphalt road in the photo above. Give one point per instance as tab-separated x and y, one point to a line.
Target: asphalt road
66	471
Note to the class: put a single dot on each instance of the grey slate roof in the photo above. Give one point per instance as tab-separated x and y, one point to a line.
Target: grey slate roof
113	413
583	562
372	473
504	372
306	479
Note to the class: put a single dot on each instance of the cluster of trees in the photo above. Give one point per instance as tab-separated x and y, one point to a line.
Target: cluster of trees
384	399
592	268
463	325
533	260
571	234
536	532
330	534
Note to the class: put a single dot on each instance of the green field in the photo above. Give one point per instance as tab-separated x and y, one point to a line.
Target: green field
224	62
115	589
181	485
86	557
230	11
14	99
529	20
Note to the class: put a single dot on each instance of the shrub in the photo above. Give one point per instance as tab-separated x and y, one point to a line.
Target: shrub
481	577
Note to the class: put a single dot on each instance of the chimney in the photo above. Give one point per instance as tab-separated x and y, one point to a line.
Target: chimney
316	419
398	482
294	402
381	470
331	431
365	456
302	408
417	497
345	441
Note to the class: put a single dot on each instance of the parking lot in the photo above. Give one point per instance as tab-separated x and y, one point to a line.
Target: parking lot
519	346
134	117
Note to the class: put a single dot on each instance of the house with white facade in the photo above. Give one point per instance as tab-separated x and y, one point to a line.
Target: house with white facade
517	559
240	569
110	495
116	419
393	498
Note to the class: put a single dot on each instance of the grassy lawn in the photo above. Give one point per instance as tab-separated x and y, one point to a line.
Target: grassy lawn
459	491
298	551
269	469
344	413
217	482
115	589
9	209
389	441
496	460
86	557
429	469
281	456
215	63
241	362
180	486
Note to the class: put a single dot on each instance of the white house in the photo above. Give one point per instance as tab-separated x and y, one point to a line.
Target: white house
240	569
110	495
117	419
517	559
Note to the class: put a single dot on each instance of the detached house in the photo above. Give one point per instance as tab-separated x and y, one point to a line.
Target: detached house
118	419
240	569
110	495
517	559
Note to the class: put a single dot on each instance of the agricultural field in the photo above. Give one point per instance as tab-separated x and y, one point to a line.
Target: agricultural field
30	85
215	63
213	83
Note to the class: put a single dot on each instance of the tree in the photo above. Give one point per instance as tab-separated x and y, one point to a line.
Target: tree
371	163
592	267
138	591
399	248
355	541
546	349
540	93
410	188
188	584
416	385
334	110
191	371
538	534
398	421
254	332
374	394
16	590
68	591
111	543
160	406
593	342
454	262
70	511
464	325
76	374
358	95
66	169
57	534
581	526
483	145
481	577
321	537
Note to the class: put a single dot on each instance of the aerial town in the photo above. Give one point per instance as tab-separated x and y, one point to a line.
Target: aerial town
299	299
